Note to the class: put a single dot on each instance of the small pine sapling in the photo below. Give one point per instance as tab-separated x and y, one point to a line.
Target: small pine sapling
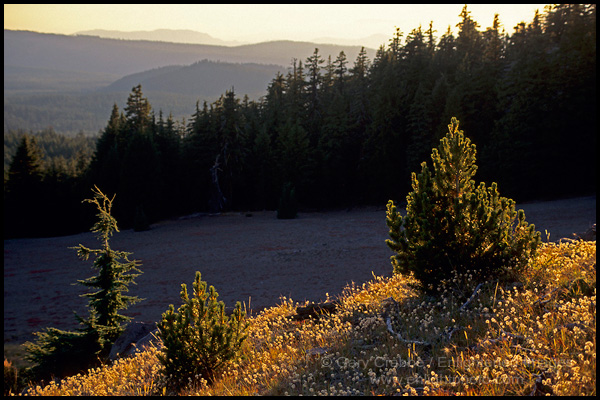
200	338
452	226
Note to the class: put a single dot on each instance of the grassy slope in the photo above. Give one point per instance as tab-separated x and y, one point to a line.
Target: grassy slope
536	336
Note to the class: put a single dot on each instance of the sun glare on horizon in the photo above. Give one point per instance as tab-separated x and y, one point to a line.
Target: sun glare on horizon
261	22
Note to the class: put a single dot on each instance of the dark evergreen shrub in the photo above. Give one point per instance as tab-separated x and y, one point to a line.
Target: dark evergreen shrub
57	353
288	204
452	225
140	222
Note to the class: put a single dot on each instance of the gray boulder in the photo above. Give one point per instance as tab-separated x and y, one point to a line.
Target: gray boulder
588	235
134	338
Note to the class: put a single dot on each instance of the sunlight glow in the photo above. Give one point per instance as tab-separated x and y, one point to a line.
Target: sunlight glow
260	22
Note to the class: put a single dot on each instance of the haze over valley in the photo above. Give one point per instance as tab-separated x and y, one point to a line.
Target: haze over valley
194	37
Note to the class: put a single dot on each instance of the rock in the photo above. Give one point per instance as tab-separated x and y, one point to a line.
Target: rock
388	302
317	351
589	235
150	339
125	345
315	310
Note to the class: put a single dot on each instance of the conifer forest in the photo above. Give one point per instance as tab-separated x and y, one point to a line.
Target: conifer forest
334	132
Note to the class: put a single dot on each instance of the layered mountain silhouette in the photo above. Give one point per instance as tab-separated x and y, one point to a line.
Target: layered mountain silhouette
123	57
162	35
195	37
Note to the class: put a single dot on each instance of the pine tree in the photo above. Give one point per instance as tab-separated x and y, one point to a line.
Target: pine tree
110	146
168	141
26	166
263	172
453	226
468	44
313	64
114	275
199	339
233	144
137	110
293	156
199	148
295	93
358	94
340	70
59	353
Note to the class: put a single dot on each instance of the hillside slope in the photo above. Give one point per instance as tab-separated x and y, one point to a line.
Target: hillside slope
207	79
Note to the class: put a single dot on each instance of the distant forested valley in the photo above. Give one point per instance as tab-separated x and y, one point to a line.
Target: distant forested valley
340	131
71	82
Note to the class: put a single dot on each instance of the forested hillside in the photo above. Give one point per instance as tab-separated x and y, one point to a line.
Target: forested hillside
344	132
206	77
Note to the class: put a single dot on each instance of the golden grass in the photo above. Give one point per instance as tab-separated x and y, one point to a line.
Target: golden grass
536	336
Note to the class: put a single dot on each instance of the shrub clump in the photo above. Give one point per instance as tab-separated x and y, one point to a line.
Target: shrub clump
200	338
140	221
288	204
453	226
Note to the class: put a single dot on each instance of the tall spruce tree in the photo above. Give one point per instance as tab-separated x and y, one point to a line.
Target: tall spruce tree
115	273
137	110
60	353
453	226
106	162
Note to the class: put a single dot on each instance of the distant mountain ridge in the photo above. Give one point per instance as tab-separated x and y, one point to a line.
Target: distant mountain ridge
123	57
162	35
371	41
194	37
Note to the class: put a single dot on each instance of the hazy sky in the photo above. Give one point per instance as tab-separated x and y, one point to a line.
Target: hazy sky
261	22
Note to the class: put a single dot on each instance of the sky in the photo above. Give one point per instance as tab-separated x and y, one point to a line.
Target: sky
253	23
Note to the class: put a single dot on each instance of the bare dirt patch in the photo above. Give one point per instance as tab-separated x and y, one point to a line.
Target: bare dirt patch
254	259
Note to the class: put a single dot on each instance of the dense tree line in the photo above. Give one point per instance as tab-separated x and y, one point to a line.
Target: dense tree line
345	133
70	153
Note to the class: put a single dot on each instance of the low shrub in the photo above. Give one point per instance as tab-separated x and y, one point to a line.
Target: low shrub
199	339
11	378
288	204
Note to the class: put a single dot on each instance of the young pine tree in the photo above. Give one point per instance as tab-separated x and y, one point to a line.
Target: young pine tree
452	225
199	339
60	353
